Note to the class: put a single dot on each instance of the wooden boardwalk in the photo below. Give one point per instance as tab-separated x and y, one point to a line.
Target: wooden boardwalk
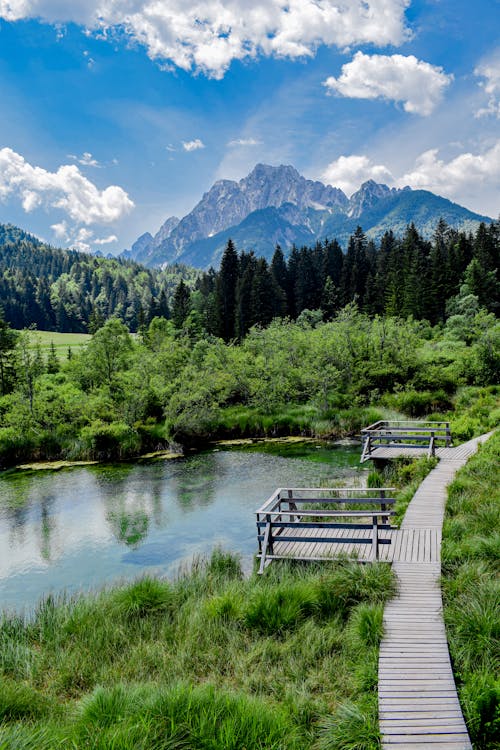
418	702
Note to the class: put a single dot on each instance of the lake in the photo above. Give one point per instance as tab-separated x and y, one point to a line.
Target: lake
82	528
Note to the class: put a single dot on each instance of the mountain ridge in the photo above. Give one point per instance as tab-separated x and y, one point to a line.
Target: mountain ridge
277	205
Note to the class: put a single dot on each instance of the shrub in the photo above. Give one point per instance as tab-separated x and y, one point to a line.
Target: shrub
105	442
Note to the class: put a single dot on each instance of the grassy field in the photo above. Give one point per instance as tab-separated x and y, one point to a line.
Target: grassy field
471	589
286	661
62	341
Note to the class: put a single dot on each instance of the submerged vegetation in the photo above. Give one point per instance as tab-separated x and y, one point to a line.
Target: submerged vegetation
209	661
471	589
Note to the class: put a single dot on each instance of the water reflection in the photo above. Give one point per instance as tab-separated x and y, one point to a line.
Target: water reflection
86	526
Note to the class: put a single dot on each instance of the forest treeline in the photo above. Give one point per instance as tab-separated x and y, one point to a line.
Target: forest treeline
68	291
73	292
404	277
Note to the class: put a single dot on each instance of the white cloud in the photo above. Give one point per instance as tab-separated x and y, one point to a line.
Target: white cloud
193	145
348	172
490	71
465	173
86	159
60	230
80	238
244	142
419	85
106	240
67	189
207	35
463	178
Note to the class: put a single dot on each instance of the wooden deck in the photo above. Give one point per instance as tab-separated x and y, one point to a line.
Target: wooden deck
407	545
418	702
386	439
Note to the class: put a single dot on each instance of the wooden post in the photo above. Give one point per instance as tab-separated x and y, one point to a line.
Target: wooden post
383	506
375	538
268	543
432	447
291	505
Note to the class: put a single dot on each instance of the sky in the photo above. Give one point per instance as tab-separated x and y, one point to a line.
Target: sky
117	114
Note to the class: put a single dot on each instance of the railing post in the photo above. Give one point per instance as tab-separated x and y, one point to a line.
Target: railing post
291	505
375	538
432	447
268	544
383	506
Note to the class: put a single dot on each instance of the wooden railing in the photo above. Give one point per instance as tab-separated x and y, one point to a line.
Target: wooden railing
289	510
404	434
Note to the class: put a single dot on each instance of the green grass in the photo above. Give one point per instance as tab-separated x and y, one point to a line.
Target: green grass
211	661
61	341
471	589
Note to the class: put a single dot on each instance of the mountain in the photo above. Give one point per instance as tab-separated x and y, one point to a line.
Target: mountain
277	205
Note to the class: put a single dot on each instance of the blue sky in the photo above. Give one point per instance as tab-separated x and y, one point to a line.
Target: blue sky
119	113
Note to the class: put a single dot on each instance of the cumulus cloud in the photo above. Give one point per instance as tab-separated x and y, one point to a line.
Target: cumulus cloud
451	177
464	178
193	145
207	35
398	78
489	70
67	189
349	172
244	142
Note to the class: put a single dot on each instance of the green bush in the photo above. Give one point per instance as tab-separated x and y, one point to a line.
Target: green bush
15	446
105	442
420	403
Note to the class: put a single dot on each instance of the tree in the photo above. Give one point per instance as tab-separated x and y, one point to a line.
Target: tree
52	360
225	292
8	341
107	352
181	305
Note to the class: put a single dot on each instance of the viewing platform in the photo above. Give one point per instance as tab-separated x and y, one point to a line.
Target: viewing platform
386	439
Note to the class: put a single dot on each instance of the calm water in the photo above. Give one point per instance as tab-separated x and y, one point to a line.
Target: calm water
82	528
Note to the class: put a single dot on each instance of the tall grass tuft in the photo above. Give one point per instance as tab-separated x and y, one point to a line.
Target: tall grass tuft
144	597
351	727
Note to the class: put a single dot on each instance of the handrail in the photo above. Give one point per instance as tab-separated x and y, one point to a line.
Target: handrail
273	519
404	434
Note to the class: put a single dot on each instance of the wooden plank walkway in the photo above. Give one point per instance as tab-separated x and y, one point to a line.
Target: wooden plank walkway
393	451
407	545
418	702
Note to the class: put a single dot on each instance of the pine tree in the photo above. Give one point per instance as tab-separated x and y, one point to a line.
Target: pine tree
8	341
181	305
52	360
225	293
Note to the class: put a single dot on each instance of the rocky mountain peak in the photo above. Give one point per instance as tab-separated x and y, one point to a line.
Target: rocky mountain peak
368	194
